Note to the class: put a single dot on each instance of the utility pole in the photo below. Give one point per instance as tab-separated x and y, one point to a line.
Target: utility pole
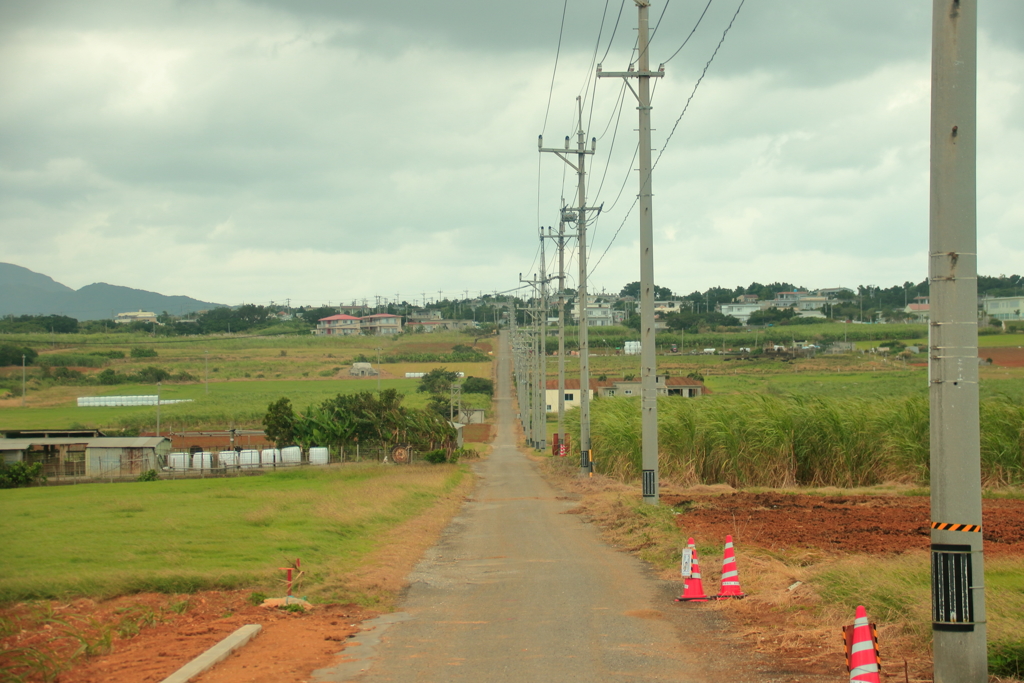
22	380
206	371
158	408
542	354
958	596
648	358
559	239
586	465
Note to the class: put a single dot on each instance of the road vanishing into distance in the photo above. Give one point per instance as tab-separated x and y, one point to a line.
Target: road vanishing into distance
517	591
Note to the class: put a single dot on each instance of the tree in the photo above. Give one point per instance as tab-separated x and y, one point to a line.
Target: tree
11	355
438	381
633	290
477	385
279	422
313	315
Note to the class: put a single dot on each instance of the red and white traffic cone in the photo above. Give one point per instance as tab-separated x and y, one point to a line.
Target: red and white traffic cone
693	587
730	576
863	653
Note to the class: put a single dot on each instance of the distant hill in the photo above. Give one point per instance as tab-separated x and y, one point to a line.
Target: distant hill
24	292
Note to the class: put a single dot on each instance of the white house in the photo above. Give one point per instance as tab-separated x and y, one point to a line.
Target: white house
1004	307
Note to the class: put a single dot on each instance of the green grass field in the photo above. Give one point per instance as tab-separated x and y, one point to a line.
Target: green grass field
180	536
244	374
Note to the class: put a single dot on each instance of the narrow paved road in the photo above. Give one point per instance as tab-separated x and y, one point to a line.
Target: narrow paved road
517	591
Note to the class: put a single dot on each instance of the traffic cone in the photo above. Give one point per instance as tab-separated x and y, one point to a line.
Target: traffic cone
863	661
693	587
730	577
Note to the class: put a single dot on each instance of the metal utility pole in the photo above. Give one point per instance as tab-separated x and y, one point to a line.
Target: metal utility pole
586	466
648	359
958	596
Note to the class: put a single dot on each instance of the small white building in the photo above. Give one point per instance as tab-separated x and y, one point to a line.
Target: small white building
139	316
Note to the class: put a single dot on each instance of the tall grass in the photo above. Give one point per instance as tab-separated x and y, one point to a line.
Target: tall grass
767	440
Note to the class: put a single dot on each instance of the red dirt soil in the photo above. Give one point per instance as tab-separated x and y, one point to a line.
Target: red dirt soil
843	524
1004	356
287	650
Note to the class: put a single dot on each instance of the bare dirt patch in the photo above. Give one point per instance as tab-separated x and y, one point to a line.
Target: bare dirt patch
841	524
290	645
1004	356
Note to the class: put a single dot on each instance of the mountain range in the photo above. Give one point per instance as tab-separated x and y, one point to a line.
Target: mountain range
25	292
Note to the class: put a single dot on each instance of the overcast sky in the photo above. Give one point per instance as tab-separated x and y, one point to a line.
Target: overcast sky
321	150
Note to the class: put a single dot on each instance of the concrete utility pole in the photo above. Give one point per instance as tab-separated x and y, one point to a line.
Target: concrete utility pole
648	359
542	354
586	466
559	239
536	425
958	596
22	380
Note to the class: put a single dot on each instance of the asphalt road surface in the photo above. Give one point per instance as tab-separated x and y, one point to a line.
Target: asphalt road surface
518	591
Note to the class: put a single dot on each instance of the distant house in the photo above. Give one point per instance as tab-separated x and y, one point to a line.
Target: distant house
666	386
381	324
341	324
139	316
1004	307
740	310
573	394
747	299
920	309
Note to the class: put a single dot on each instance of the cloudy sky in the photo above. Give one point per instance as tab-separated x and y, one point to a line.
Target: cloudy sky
321	150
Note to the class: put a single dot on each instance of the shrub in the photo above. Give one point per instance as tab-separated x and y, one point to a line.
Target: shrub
436	457
20	474
149	475
143	352
477	385
113	355
1006	659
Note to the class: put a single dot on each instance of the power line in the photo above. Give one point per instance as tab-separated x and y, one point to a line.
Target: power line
614	29
697	84
554	71
691	32
669	138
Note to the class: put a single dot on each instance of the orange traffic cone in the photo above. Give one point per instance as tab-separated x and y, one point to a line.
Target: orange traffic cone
730	577
863	660
693	587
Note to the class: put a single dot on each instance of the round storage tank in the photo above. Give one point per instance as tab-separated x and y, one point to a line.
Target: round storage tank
292	455
227	459
202	461
270	456
178	461
249	458
318	456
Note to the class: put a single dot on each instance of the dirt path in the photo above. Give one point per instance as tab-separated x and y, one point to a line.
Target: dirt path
519	591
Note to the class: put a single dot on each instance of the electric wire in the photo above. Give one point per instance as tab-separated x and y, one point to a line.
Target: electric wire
558	50
692	31
614	29
676	125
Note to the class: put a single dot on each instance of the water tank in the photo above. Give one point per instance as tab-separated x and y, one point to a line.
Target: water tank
227	459
249	458
270	455
202	460
318	456
178	461
292	454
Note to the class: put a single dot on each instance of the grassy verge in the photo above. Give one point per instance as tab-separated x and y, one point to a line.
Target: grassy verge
182	536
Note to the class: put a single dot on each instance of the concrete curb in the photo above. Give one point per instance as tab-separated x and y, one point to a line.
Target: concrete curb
217	653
